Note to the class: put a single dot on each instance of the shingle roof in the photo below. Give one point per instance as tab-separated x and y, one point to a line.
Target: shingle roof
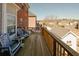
61	32
75	31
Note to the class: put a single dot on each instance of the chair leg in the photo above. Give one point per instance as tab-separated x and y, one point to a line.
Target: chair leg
10	51
22	44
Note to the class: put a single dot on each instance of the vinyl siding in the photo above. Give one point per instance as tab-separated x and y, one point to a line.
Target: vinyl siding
0	17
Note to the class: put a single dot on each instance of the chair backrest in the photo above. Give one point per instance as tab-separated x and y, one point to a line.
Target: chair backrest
12	37
19	32
4	40
25	32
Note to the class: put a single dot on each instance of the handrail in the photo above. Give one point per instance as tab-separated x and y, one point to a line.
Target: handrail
56	40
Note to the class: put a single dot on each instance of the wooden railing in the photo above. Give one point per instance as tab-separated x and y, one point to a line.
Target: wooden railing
56	46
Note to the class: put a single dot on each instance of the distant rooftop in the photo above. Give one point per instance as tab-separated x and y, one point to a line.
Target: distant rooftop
62	31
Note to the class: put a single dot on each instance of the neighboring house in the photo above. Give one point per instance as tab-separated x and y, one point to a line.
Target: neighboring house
32	20
8	18
70	37
22	15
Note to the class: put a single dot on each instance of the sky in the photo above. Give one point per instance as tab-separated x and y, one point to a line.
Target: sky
59	10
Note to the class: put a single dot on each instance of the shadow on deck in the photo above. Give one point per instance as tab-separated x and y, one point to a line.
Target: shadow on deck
34	45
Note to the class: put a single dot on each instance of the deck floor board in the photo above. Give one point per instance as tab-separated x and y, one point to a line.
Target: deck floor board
34	45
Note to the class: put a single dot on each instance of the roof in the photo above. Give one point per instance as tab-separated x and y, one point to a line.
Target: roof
31	14
75	31
23	4
61	32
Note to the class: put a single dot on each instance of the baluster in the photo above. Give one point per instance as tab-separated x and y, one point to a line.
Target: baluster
68	54
60	51
56	48
54	45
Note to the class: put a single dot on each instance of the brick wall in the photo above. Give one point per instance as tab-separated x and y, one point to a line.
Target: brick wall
22	17
32	22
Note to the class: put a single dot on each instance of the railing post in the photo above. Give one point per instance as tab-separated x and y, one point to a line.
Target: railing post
54	47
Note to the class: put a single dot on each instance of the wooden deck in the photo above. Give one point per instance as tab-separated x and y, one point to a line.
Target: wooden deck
34	45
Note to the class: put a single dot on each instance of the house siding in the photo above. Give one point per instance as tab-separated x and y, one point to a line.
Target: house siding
11	8
0	18
9	14
73	39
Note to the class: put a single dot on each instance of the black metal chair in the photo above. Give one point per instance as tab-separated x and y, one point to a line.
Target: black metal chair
22	33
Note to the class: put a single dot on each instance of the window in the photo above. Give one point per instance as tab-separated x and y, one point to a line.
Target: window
11	19
11	13
11	29
69	43
11	24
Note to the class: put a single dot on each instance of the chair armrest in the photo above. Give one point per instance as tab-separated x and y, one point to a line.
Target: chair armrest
17	39
2	49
